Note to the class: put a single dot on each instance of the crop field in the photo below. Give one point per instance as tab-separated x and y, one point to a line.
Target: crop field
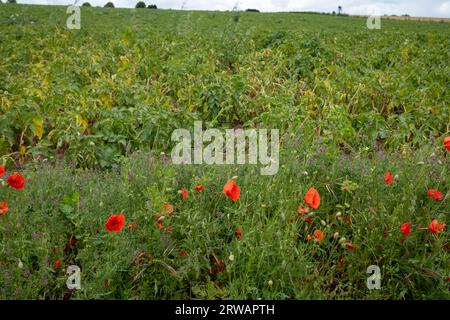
356	210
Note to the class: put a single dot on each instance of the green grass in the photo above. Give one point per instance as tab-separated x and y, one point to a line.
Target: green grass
86	113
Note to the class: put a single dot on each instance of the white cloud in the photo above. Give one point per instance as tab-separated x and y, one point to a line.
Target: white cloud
444	8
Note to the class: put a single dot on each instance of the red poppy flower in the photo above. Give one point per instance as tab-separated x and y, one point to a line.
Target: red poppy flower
435	227
115	222
219	266
434	194
184	193
140	258
159	224
406	228
447	143
199	188
141	255
308	237
388	177
182	253
232	190
239	233
57	264
2	170
16	181
312	198
345	218
168	207
3	207
303	210
308	220
350	245
70	244
318	235
169	229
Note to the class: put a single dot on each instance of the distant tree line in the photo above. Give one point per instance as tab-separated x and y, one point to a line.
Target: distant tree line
139	5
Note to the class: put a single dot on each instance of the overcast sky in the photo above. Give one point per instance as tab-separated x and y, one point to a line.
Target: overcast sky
428	8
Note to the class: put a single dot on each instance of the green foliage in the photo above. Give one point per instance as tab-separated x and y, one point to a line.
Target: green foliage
86	4
109	5
140	4
356	87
